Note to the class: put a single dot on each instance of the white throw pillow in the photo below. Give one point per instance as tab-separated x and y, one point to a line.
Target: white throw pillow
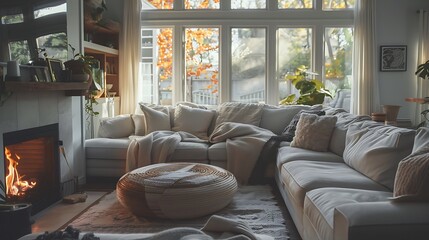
139	124
314	132
193	120
422	139
156	120
116	127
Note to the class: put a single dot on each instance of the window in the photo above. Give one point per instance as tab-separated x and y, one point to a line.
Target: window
46	11
12	19
242	50
19	51
248	60
55	45
248	4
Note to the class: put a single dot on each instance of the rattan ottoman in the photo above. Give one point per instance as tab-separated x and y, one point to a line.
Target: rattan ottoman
176	190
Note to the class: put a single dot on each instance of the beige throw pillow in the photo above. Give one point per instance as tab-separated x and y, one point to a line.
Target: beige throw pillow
314	132
155	120
116	127
192	120
412	178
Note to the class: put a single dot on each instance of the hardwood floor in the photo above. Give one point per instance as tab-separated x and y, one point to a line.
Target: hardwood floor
60	214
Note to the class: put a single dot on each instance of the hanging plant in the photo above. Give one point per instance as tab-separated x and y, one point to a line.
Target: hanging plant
423	70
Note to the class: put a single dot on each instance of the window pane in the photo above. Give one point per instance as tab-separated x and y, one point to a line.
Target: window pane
12	19
62	8
202	4
294	50
202	65
248	4
291	4
337	4
157	65
248	71
157	4
19	51
338	59
55	45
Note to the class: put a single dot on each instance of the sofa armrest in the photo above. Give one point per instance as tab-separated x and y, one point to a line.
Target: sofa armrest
381	220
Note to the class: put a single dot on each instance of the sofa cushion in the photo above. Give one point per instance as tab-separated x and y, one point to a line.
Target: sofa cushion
249	113
192	120
139	124
156	119
375	150
319	205
289	154
303	176
289	131
314	132
106	148
422	139
276	119
190	151
344	119
116	127
412	177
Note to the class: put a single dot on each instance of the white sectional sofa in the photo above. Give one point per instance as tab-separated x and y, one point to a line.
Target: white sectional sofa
344	192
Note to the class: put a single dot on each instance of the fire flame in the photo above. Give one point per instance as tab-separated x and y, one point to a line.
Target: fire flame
14	185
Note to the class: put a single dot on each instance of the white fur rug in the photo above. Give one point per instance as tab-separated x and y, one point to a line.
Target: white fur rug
261	208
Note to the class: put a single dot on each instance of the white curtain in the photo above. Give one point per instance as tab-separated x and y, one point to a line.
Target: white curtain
129	55
422	86
365	95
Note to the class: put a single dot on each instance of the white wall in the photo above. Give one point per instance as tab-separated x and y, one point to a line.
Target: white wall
397	22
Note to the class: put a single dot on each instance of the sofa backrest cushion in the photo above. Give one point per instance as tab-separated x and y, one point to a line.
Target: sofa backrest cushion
375	150
314	132
139	124
116	127
276	118
422	139
157	118
192	120
344	120
249	113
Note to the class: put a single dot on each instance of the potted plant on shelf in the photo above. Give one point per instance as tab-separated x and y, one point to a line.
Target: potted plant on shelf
312	91
14	217
80	66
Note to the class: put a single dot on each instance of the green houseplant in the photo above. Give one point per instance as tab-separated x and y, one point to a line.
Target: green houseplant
423	70
312	91
80	65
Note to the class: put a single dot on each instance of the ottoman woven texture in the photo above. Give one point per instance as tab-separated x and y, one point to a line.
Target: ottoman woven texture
176	190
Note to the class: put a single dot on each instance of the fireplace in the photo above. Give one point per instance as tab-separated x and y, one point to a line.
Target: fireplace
32	168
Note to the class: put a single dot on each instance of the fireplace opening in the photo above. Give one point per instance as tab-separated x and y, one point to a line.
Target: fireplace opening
32	168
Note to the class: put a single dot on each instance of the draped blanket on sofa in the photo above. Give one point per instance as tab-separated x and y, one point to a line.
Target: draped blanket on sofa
243	145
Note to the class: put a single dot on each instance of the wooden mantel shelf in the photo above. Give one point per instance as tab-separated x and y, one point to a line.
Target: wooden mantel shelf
71	88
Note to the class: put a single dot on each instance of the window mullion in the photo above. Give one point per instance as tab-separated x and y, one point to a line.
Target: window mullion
318	58
178	63
225	64
272	96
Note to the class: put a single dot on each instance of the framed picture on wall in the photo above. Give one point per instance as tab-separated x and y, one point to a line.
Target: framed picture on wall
393	58
55	67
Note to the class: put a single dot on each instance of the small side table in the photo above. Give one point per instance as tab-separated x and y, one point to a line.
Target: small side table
424	113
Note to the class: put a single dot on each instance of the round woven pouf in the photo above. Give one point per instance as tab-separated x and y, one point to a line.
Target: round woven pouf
176	190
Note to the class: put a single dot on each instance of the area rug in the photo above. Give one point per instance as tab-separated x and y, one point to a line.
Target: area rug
259	206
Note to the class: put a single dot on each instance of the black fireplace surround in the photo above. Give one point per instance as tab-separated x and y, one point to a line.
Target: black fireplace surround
39	153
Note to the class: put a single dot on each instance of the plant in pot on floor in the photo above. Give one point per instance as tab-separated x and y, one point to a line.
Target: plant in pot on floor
312	91
423	72
14	217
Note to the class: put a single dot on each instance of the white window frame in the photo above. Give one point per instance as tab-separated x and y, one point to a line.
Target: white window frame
271	18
